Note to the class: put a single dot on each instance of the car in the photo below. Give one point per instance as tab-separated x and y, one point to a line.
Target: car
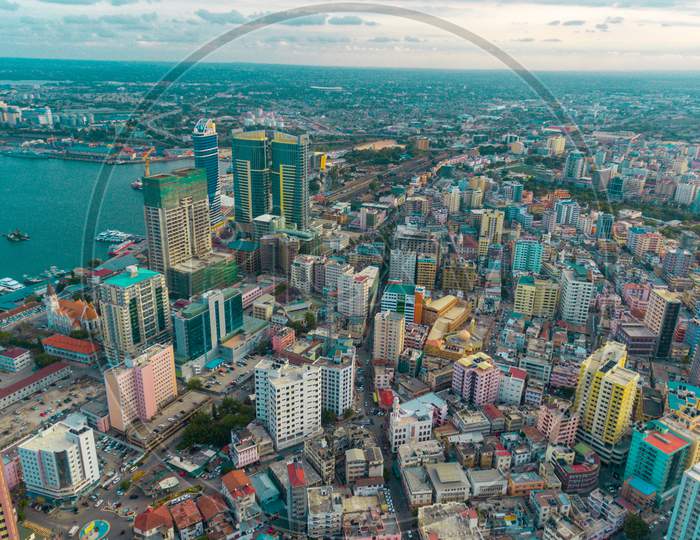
133	496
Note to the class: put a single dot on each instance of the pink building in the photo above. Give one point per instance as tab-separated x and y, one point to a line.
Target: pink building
476	379
558	423
243	449
8	516
282	338
139	387
12	470
636	296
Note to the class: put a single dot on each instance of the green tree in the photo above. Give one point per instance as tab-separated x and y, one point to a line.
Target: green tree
195	383
309	320
79	334
635	528
328	417
42	360
125	484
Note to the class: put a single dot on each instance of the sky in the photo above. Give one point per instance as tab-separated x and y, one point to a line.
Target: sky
626	35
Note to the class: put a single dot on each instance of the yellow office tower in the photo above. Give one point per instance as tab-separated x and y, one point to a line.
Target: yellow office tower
604	401
536	297
491	230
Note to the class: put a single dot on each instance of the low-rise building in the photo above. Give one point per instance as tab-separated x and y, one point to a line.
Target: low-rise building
547	504
37	381
188	520
521	484
325	512
240	494
15	359
80	351
487	483
416	486
449	482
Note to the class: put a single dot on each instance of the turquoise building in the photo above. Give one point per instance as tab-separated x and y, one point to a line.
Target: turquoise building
527	256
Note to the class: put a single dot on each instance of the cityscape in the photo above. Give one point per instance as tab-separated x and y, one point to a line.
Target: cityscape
295	300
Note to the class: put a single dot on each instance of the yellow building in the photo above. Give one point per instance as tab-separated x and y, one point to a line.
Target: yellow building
426	271
605	400
491	231
556	145
536	297
459	275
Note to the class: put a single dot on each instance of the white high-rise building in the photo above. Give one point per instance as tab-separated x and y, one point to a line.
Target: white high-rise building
389	335
354	291
576	295
288	401
338	380
402	266
685	520
302	273
61	462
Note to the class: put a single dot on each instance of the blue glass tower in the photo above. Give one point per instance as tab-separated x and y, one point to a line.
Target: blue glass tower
206	156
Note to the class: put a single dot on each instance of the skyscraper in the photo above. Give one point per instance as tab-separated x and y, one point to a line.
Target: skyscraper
289	175
567	212
206	156
137	389
661	318
575	165
8	516
685	519
677	263
604	399
491	230
176	213
251	175
135	312
536	297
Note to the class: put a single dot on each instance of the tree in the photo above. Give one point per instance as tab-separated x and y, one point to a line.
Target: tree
328	417
635	528
195	383
79	334
42	360
309	321
125	484
348	414
92	263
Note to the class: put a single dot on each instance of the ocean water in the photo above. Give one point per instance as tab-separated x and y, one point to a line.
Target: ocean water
48	199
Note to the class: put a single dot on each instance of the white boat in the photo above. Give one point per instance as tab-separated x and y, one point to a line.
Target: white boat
10	284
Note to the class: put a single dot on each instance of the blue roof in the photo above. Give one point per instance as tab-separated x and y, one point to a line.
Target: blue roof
125	279
214	363
642	486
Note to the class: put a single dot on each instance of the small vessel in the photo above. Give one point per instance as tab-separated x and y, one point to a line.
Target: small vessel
113	236
137	184
9	284
17	236
32	280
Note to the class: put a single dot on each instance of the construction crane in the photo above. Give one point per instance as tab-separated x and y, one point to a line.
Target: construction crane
147	161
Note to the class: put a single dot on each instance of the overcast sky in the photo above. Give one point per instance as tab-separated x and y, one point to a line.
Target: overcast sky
542	34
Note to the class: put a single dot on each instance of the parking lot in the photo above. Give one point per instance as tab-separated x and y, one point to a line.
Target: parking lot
229	378
45	408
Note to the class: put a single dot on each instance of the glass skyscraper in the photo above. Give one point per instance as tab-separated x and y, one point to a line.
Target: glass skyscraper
290	178
250	154
206	156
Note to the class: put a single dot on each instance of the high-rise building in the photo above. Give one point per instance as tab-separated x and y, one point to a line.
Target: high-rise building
389	335
296	496
605	397
179	234
476	379
135	313
176	214
558	423
250	157
575	165
567	212
404	299
289	175
355	291
536	297
677	263
206	156
426	270
288	401
527	255
576	295
657	456
556	145
491	230
685	519
603	226
302	273
206	322
338	378
137	389
60	462
459	275
402	266
661	318
8	516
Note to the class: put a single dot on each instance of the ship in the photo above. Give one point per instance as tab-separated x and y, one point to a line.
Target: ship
138	183
32	280
17	236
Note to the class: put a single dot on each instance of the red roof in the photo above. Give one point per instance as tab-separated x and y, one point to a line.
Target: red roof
34	377
491	411
296	475
67	343
386	397
666	442
211	506
16	311
237	483
185	514
13	352
153	519
518	373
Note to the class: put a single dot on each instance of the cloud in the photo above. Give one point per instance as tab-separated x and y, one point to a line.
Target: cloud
347	20
414	39
78	19
328	38
602	27
228	17
6	5
575	22
524	40
552	40
123	2
554	23
72	2
309	20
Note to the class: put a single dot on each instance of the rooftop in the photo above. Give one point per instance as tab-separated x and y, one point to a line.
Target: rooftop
131	276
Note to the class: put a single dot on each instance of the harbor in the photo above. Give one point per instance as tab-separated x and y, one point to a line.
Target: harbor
48	199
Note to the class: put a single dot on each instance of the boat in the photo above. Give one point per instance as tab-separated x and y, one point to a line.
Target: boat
32	280
137	184
113	236
10	284
17	236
